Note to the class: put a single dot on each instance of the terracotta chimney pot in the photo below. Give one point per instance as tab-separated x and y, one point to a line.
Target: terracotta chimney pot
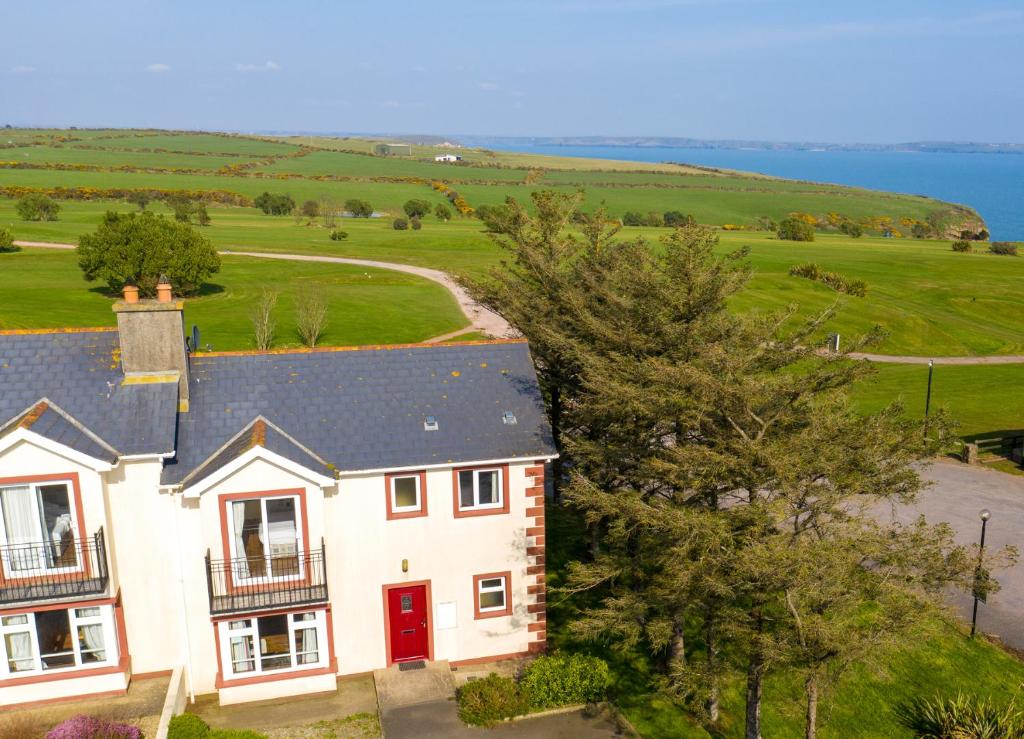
131	294
163	290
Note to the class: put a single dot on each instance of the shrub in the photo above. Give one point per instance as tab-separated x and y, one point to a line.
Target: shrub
187	726
90	727
202	217
632	218
416	208
1003	247
235	734
491	700
961	245
275	204
836	281
416	224
674	218
851	229
442	212
338	235
358	208
310	209
138	247
564	679
654	219
494	216
36	207
920	230
963	717
140	198
400	224
795	229
7	241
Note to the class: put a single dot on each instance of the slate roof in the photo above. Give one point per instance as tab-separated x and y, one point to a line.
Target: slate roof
80	372
345	409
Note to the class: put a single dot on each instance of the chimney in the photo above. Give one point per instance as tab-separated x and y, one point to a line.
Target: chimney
152	334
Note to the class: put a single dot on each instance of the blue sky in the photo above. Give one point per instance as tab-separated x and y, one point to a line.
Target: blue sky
823	70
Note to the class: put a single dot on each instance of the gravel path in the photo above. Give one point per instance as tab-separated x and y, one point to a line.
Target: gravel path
481	319
903	359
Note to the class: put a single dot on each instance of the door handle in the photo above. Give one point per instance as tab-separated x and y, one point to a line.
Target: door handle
423	623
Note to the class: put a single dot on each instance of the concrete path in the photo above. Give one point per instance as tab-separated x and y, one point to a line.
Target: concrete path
481	319
438	720
959	492
904	359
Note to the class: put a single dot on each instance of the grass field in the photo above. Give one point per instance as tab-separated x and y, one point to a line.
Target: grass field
44	289
930	300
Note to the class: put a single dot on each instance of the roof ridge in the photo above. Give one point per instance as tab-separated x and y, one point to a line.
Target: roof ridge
357	348
66	330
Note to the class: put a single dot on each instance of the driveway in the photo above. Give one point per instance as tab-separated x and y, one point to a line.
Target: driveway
959	492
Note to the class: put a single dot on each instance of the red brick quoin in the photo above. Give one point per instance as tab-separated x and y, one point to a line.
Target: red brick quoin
535	588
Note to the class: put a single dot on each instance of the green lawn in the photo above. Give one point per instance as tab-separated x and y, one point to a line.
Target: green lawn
863	704
44	288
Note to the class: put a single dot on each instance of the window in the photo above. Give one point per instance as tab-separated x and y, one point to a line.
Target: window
406	495
492	594
38	532
480	489
256	646
265	540
47	641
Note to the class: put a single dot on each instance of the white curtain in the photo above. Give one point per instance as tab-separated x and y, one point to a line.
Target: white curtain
92	640
238	518
21	526
241	654
305	644
19	651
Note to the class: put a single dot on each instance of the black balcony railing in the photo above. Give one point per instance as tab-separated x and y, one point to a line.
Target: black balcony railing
258	582
53	570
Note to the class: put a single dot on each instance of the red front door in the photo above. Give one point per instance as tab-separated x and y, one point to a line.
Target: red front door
407	616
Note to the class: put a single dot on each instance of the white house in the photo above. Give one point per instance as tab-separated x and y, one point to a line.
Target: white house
267	521
447	158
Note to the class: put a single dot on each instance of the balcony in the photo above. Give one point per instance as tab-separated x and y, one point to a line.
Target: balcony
53	570
258	583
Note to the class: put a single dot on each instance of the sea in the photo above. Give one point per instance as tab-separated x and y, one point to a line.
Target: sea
992	184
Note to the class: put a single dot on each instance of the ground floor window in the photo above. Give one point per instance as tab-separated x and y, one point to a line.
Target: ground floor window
46	641
265	644
492	594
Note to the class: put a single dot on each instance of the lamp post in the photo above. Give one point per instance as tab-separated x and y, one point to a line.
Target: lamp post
928	396
985	514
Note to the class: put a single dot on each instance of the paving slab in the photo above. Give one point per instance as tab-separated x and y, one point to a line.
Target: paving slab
397	688
439	720
354	695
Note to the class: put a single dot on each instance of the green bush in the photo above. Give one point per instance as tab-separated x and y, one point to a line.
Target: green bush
491	700
1003	247
836	281
963	717
961	245
359	208
564	679
7	241
793	229
275	204
338	235
416	208
187	726
851	229
400	224
442	212
190	726
35	207
416	224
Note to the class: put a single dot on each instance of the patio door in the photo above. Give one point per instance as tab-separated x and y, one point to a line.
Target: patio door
38	533
408	627
265	539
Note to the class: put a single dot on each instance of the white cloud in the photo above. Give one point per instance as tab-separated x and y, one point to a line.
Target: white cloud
22	69
158	67
488	86
267	66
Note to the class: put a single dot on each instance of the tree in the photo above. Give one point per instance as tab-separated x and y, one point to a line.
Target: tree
140	198
713	450
328	211
202	217
632	218
400	224
795	229
275	204
7	244
182	208
416	208
36	207
359	208
137	248
415	223
310	315
920	230
493	216
442	212
310	209
674	218
264	326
